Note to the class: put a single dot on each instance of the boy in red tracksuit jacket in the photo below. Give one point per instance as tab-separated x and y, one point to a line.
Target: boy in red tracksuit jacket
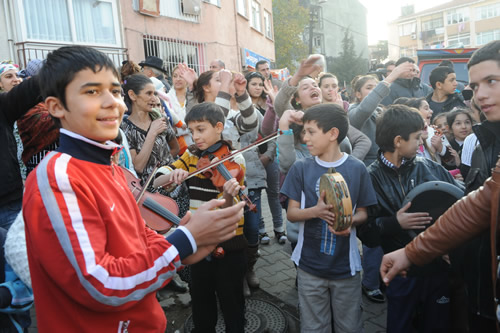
94	264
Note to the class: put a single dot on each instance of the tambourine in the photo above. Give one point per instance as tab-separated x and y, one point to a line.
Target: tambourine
337	195
433	197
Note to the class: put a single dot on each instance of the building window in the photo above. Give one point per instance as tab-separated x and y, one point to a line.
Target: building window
407	29
241	6
432	24
255	17
268	25
459	40
174	51
488	11
73	21
175	9
487	36
213	2
457	16
407	52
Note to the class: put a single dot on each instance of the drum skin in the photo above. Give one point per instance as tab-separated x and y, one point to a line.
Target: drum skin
337	194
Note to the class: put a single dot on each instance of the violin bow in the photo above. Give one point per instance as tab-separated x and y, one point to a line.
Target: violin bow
148	181
257	143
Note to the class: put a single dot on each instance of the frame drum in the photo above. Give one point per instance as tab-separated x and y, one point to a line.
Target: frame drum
433	197
337	195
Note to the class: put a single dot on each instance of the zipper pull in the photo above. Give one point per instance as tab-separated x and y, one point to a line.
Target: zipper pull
412	184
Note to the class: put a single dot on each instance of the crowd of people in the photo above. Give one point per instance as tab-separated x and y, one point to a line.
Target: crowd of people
76	126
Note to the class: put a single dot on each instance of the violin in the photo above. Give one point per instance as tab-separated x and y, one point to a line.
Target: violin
225	158
160	212
222	172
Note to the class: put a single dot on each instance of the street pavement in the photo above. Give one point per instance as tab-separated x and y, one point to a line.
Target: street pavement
276	273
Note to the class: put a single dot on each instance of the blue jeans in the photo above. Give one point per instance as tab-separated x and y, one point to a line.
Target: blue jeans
273	191
251	226
9	212
372	258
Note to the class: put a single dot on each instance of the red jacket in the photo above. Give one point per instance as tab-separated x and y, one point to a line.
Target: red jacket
94	264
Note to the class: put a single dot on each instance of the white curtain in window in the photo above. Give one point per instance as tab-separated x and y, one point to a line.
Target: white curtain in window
94	21
47	20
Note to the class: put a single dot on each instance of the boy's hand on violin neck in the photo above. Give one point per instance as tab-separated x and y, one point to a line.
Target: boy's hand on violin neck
231	189
211	226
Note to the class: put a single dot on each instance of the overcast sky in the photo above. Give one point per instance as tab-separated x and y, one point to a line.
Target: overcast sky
380	13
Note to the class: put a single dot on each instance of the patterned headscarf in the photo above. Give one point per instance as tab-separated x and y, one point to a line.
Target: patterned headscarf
7	66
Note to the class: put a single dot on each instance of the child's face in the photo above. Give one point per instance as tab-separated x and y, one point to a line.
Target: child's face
316	140
9	80
204	134
461	127
366	89
450	84
329	89
408	148
485	82
426	112
308	93
214	85
94	105
441	124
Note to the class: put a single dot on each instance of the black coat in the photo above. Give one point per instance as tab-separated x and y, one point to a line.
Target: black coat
382	227
13	105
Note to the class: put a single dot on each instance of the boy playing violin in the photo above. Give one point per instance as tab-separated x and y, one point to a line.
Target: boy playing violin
222	273
95	266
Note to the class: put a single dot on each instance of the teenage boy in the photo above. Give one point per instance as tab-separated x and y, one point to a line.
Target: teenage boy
220	275
328	261
95	266
394	174
484	74
444	97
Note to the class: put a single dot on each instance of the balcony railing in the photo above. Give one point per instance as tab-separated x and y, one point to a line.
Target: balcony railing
27	51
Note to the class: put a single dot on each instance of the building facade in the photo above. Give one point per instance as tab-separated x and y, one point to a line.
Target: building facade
455	24
239	32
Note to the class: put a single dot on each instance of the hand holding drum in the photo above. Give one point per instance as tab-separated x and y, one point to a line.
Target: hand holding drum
337	195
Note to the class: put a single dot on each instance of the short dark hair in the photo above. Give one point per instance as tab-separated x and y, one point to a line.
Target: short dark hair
490	51
390	63
439	74
328	116
446	63
206	111
260	62
402	60
397	120
136	83
64	63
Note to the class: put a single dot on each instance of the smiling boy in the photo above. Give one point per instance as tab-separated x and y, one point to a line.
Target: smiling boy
95	266
444	97
328	262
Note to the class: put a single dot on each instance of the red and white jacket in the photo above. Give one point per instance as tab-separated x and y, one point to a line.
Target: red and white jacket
94	264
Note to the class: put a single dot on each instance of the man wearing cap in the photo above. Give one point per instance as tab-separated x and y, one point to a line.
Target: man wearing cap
153	67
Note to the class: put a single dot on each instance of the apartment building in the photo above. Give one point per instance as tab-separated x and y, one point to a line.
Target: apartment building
239	32
455	24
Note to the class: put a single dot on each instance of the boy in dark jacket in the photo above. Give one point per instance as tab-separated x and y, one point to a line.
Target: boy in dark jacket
395	173
444	98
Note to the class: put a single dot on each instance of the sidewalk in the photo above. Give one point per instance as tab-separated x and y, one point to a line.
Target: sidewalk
277	287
